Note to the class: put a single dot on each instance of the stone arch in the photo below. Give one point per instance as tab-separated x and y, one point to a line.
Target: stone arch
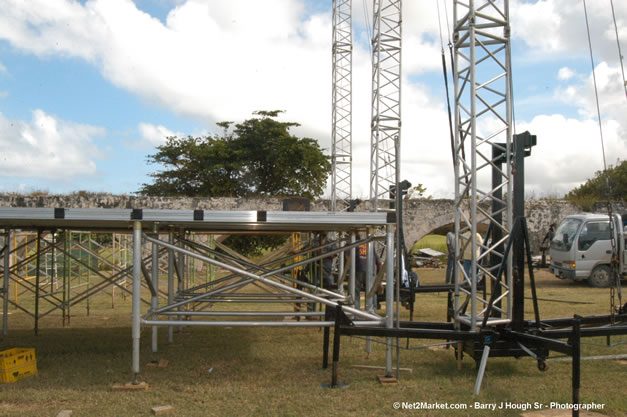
422	217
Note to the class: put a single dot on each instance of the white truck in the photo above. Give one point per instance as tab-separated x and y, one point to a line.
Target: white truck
581	248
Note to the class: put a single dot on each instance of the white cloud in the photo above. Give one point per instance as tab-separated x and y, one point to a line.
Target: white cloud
47	27
612	97
565	73
152	135
47	148
3	69
568	152
216	60
558	27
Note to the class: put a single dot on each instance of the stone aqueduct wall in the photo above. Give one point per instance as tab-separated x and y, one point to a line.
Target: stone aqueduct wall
420	216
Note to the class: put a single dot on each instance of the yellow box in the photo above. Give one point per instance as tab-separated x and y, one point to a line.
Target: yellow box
12	358
17	373
17	363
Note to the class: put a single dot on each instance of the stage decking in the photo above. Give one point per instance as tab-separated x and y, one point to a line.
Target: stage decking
197	220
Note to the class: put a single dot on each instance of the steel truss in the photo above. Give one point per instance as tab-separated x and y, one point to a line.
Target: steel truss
341	107
483	136
193	304
386	101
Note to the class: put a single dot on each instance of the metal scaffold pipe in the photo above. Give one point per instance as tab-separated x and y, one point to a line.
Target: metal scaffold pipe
264	278
170	281
155	284
5	283
135	316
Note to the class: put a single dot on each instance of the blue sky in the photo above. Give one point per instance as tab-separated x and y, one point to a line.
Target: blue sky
89	88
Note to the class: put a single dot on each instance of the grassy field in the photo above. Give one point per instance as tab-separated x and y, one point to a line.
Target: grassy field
436	242
277	371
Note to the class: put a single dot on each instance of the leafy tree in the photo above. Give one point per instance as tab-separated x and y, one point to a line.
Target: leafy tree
258	157
417	192
595	189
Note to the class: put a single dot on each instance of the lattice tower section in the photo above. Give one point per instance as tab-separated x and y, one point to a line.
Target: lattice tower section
342	103
386	101
483	181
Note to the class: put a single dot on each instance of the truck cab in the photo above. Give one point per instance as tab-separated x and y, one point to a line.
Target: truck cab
581	248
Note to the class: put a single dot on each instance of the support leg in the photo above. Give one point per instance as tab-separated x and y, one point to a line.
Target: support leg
460	353
37	279
340	263
5	284
137	259
155	284
576	342
68	282
482	365
181	269
389	298
325	341
351	277
336	346
370	272
170	281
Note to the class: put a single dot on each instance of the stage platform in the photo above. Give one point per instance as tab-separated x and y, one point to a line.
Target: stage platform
121	220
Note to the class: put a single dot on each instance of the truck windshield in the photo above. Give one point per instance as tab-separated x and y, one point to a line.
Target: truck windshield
565	234
592	232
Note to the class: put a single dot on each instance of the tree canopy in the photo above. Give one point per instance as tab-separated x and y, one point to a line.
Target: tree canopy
595	189
258	157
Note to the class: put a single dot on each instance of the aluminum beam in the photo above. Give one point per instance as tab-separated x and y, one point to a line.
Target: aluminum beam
5	282
265	279
155	283
205	220
135	314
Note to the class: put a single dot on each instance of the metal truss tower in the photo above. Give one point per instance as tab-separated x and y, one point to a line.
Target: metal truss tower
386	101
483	171
342	103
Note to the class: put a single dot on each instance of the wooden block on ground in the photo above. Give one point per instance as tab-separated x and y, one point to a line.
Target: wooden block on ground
560	413
386	379
379	367
161	363
438	347
142	386
161	410
64	413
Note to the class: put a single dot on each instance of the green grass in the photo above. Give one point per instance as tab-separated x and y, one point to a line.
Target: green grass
277	371
436	242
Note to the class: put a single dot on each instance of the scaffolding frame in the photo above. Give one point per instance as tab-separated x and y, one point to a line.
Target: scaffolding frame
184	306
80	276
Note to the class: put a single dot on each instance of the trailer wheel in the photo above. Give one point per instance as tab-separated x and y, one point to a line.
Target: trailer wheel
542	365
601	277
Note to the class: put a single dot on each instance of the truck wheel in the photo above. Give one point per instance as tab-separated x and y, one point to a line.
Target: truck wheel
601	277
